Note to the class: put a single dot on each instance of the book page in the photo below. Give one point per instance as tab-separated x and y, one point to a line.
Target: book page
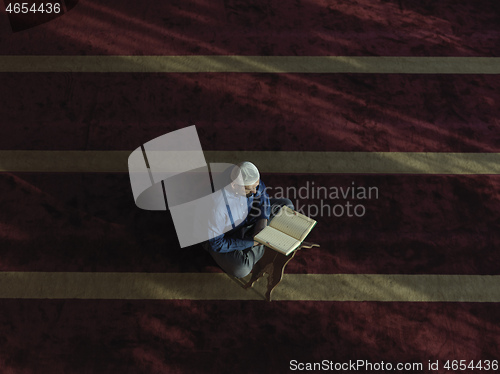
277	240
293	223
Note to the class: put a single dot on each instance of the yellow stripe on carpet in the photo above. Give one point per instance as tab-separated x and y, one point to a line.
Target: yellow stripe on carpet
250	64
218	286
268	162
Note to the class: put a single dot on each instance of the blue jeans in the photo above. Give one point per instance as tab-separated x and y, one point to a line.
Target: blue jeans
241	263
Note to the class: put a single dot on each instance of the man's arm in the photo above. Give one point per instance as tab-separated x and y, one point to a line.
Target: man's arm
259	226
224	244
223	241
264	208
263	202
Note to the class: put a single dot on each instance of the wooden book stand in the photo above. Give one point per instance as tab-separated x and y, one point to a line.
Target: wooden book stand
273	263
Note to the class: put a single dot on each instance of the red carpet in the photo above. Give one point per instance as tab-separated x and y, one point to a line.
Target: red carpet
420	224
74	336
304	112
267	27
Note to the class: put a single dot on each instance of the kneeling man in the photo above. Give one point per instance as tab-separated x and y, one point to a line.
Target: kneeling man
235	251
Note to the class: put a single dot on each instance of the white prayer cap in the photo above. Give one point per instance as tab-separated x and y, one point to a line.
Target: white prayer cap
249	173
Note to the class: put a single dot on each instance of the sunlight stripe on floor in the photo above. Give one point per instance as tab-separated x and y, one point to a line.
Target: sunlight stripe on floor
268	162
250	64
218	286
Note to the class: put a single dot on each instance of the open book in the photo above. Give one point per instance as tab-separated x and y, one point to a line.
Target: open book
286	231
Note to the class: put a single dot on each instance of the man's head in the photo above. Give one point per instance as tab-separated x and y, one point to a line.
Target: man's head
249	177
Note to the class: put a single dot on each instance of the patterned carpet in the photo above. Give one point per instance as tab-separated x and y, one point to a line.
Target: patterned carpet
87	221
